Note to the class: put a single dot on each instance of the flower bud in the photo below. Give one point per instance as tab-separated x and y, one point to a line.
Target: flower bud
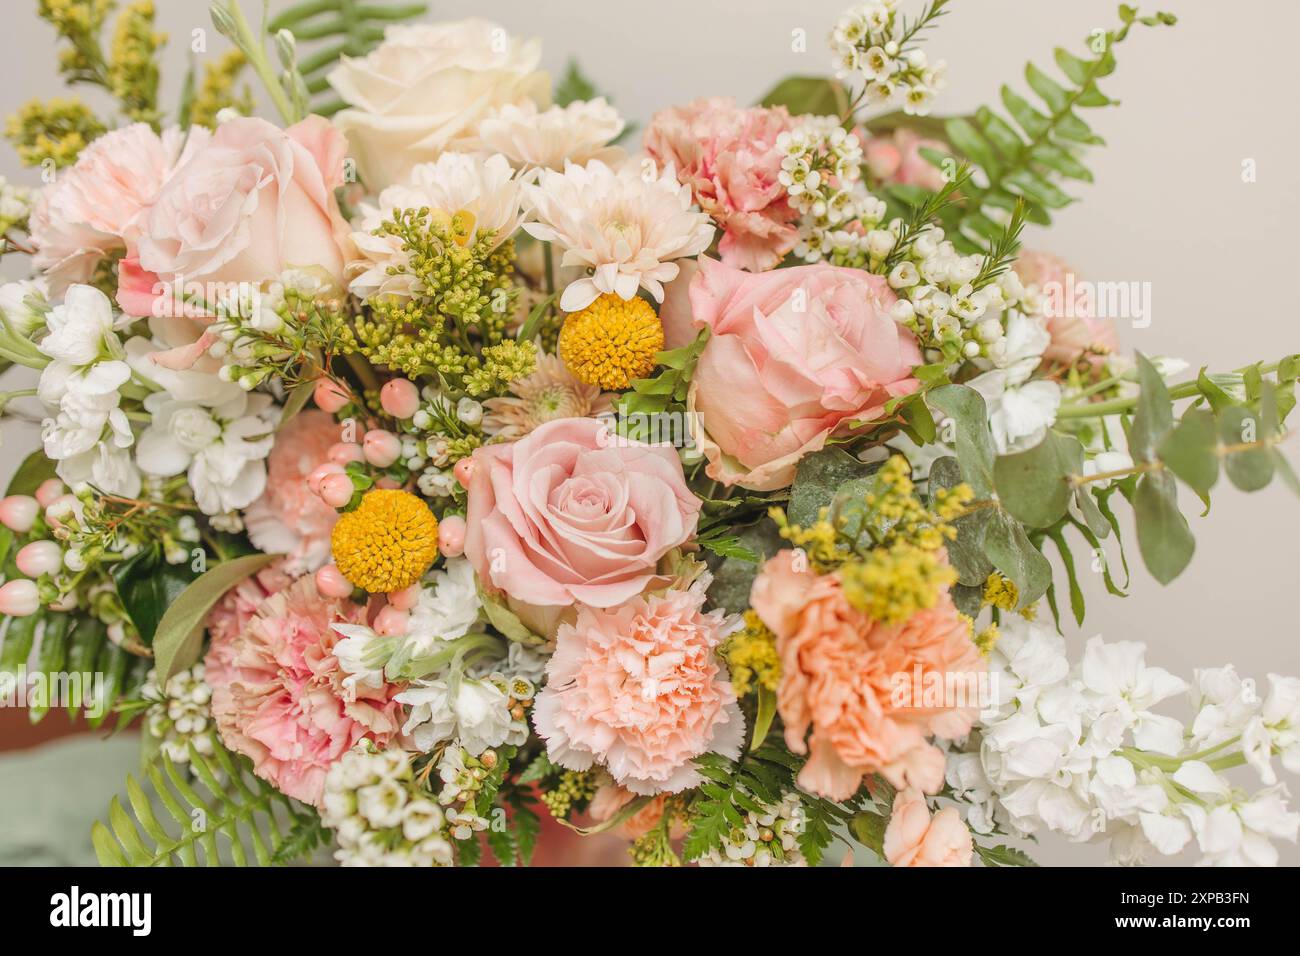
330	582
18	512
328	396
336	490
381	448
399	398
39	557
19	598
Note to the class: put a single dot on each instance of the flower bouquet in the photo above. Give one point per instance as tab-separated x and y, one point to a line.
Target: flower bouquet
439	467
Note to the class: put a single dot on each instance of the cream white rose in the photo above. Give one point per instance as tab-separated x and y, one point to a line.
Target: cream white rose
426	88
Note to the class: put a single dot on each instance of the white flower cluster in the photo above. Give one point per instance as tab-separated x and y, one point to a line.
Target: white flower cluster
462	775
821	170
476	713
1081	751
180	714
427	453
249	314
870	43
769	838
379	815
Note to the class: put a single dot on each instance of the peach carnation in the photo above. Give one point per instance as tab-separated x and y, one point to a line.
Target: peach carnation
638	689
231	614
278	695
840	672
288	519
728	156
914	838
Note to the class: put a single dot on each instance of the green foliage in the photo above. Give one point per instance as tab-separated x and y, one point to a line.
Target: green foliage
148	586
809	94
1003	855
220	813
332	29
1028	156
667	390
734	576
971	438
1034	485
819	478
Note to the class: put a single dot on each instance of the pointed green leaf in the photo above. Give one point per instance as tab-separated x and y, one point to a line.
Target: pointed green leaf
1164	539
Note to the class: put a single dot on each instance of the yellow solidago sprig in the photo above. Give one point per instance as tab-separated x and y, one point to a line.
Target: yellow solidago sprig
751	657
454	324
886	545
80	23
56	130
133	62
387	543
217	90
1001	594
612	341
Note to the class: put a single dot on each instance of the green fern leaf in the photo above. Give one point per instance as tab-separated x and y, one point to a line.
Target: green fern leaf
211	796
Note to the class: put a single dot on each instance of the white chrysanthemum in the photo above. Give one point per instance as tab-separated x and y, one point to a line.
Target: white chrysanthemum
486	189
576	133
626	226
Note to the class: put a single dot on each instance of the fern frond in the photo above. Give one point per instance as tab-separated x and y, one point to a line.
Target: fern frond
1028	156
212	796
335	28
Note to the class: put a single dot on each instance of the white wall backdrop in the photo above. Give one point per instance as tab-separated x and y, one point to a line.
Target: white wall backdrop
1169	207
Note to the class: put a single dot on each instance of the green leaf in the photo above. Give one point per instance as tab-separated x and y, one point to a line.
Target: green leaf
763	717
1249	469
179	634
733	578
1191	451
1002	855
1077	604
1164	538
808	94
972	439
817	481
573	86
507	621
966	552
1034	485
297	401
148	586
869	830
1012	553
35	469
1154	417
528	331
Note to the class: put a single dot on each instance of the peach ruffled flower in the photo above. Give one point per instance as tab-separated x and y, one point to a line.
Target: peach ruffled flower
232	613
609	801
728	156
288	519
914	838
839	674
278	695
638	689
549	393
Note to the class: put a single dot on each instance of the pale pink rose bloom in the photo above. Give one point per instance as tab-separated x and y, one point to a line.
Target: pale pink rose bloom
231	614
94	209
914	838
574	513
278	695
895	158
838	679
288	519
1076	330
638	690
728	156
796	356
250	204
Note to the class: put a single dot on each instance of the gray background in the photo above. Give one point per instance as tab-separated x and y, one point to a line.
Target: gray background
1169	207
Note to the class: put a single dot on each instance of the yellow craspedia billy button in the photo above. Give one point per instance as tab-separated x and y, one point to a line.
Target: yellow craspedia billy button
611	341
387	543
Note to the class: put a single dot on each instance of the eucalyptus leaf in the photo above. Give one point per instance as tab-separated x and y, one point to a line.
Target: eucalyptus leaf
1012	553
1191	451
1164	539
1034	485
818	480
972	440
966	551
1249	469
734	577
1154	417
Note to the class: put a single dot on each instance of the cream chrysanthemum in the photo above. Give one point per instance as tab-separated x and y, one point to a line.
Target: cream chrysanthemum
550	392
576	133
623	226
485	192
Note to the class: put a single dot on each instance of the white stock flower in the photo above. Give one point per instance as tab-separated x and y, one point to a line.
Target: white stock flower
1118	677
626	226
16	305
362	654
488	190
447	608
1281	715
530	137
1240	832
475	713
222	450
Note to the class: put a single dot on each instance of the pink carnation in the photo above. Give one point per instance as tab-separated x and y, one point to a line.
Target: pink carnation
95	208
639	690
896	158
728	156
1077	332
574	513
230	615
839	677
914	838
278	694
288	519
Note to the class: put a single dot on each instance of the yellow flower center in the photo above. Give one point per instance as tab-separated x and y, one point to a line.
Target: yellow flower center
612	341
387	543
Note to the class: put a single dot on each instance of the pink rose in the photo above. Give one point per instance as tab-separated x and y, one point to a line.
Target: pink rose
728	156
288	519
278	692
796	356
896	158
1077	333
573	513
94	209
914	838
253	202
